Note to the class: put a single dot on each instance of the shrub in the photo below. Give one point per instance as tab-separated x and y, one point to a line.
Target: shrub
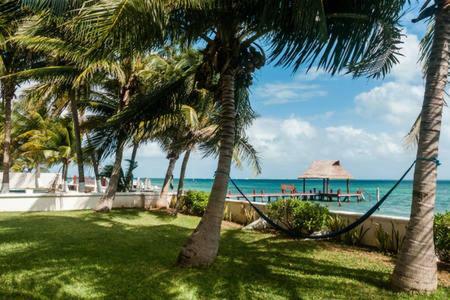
352	237
301	216
442	236
194	202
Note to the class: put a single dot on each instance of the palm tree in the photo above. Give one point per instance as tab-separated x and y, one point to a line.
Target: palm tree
12	59
132	166
43	139
137	72
416	267
308	31
363	34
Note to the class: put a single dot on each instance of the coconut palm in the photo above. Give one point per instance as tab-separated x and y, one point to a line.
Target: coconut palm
60	146
44	140
364	34
416	263
12	59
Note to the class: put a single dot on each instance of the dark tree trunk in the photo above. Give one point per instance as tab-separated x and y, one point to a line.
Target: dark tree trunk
129	177
202	246
98	182
8	90
416	267
106	201
78	147
64	176
95	165
164	200
181	180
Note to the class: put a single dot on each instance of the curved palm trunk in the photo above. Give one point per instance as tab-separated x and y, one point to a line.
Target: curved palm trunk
95	164
106	201
98	182
181	180
64	176
164	199
202	246
8	89
129	178
37	174
76	125
416	263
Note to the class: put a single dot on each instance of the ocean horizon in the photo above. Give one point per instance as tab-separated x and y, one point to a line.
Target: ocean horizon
397	204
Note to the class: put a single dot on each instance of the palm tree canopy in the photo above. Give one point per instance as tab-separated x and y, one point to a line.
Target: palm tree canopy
362	36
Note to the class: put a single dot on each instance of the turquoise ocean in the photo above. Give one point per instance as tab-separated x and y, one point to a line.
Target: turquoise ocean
398	203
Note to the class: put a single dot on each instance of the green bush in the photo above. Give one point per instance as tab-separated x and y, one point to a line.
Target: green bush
301	216
194	202
442	236
352	237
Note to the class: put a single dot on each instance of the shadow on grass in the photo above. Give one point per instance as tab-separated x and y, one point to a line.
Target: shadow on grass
91	255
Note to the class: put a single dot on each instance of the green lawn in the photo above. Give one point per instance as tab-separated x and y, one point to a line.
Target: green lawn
131	255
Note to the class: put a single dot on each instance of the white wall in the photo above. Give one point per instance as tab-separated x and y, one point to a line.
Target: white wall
27	180
241	212
72	201
236	211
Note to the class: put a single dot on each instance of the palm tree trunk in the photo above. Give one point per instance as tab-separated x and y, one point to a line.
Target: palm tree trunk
64	176
95	164
37	174
106	201
164	201
8	90
202	246
416	263
98	182
129	178
181	180
78	148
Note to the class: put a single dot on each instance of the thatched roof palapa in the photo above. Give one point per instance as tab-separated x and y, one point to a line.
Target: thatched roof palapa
322	169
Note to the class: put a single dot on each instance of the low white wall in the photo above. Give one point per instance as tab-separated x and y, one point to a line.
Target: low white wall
241	212
236	211
27	180
72	201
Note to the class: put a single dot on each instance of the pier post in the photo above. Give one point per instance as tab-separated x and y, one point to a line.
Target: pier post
348	185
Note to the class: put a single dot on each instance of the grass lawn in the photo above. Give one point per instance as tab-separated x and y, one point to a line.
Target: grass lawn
130	255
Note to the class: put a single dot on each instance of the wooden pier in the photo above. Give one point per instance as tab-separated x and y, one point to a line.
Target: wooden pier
319	196
323	170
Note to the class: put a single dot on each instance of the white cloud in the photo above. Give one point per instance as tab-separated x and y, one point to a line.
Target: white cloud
288	145
396	103
312	74
282	93
408	69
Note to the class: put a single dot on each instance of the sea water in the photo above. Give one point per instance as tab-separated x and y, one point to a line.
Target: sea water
397	204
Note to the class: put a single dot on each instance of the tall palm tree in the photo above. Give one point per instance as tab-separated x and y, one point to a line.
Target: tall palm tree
315	32
416	267
327	34
138	71
60	146
12	59
45	140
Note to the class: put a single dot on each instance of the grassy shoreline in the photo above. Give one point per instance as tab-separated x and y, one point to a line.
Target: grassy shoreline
131	254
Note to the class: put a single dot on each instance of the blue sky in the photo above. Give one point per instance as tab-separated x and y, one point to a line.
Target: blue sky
311	116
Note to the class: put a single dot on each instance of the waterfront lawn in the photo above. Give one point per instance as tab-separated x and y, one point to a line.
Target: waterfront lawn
130	254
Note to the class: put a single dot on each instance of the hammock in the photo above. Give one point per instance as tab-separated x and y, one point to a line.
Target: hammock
336	233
